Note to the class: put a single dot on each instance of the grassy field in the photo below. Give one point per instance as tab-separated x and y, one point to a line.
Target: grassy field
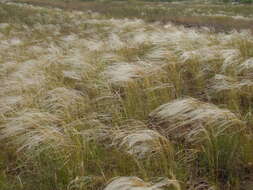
125	96
219	17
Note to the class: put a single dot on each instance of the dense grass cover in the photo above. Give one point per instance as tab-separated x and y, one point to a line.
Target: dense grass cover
91	102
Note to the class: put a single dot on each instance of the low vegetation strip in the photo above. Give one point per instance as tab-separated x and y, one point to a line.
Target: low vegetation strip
220	18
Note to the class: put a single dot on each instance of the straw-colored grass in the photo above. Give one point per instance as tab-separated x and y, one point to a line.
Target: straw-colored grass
88	101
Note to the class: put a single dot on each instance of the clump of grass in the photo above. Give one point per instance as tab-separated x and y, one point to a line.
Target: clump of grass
235	93
221	156
215	134
142	143
186	118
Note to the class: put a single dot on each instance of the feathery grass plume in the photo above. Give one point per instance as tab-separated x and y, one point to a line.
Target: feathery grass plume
4	26
186	118
157	54
54	53
139	37
31	129
10	103
135	183
246	68
77	61
114	42
235	93
69	38
57	71
26	77
203	54
232	57
141	143
94	45
122	73
71	75
67	103
15	42
187	40
222	83
36	50
4	45
242	41
159	37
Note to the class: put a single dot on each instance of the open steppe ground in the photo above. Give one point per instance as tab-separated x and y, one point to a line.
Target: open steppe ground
125	96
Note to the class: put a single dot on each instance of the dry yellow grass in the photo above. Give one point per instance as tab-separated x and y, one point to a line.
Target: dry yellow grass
85	99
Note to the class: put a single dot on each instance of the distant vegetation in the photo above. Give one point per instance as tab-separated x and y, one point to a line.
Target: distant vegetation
221	18
211	1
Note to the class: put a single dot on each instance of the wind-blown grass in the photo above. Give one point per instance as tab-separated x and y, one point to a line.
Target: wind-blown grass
85	99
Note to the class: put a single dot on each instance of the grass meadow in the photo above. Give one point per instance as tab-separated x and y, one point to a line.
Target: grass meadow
126	95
